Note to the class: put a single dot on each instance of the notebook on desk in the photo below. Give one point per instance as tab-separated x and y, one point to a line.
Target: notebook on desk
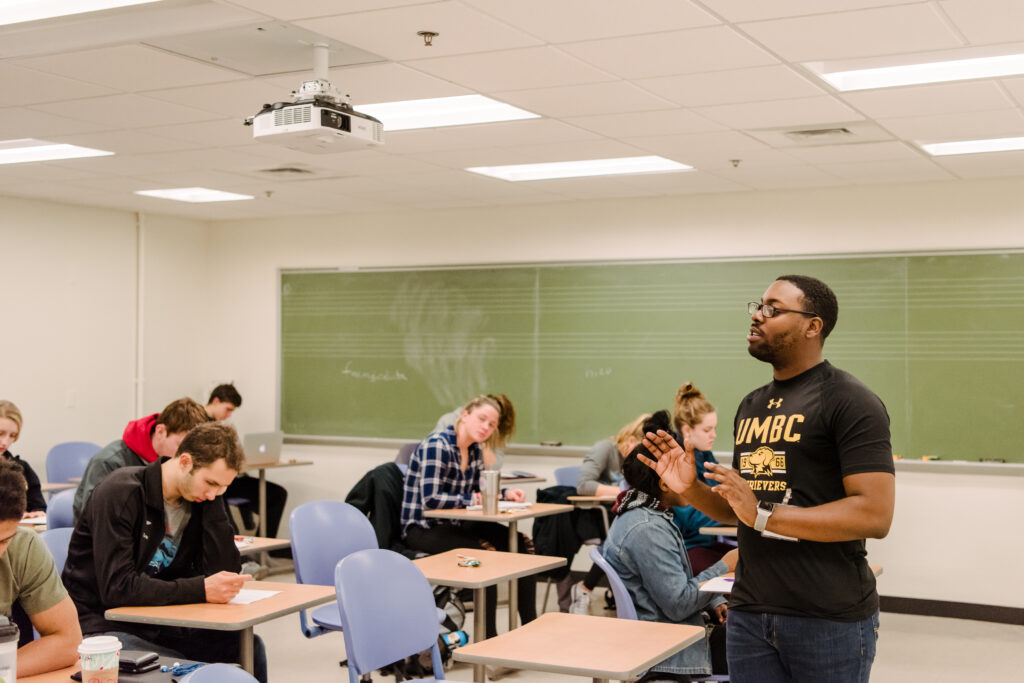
262	448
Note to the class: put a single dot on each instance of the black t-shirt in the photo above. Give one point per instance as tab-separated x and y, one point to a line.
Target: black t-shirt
804	435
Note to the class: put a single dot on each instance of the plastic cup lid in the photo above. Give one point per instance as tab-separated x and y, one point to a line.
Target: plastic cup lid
99	645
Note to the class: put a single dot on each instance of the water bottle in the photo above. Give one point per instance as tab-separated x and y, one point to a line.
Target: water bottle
8	650
490	485
455	639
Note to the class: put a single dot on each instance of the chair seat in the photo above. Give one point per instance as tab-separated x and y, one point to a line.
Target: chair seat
327	616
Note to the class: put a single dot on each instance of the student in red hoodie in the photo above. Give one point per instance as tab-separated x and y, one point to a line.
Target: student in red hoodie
144	441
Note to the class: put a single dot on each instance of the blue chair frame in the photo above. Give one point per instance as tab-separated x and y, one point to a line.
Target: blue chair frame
60	510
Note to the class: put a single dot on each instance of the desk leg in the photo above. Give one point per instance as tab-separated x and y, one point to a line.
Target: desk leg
513	585
479	629
264	558
246	648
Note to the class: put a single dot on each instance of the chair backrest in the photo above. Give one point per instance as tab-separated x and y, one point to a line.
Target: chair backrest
387	611
323	532
60	510
405	453
57	541
623	600
68	459
219	673
567	476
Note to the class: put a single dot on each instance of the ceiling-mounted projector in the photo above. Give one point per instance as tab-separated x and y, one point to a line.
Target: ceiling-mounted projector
319	120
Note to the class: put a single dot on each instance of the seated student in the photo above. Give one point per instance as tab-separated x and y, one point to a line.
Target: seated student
224	400
28	577
10	430
694	421
646	549
601	475
144	441
118	557
444	472
492	449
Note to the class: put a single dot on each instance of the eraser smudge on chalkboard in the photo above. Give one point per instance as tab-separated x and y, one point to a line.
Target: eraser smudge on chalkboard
550	443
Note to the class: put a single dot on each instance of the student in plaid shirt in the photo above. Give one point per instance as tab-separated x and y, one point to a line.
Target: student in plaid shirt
444	472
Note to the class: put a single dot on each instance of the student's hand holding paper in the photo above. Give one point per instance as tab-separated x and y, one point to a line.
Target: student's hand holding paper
515	495
223	586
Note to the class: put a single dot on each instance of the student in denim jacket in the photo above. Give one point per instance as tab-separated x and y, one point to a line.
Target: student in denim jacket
646	548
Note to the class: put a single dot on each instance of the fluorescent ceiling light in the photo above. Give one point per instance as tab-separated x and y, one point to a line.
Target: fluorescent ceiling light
940	149
194	195
27	150
580	169
932	72
16	11
443	111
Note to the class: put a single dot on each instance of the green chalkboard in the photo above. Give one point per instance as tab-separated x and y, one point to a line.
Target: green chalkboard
582	349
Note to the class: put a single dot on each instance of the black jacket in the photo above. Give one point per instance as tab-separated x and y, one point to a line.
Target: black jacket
35	501
378	495
562	535
115	538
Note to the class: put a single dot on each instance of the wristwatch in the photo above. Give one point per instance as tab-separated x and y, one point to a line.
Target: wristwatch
764	511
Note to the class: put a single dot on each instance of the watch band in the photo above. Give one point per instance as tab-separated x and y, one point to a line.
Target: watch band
764	511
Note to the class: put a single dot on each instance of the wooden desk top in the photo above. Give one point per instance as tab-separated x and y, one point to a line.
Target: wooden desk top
292	598
718	530
279	463
583	645
495	567
535	510
63	675
58	486
508	481
258	544
591	499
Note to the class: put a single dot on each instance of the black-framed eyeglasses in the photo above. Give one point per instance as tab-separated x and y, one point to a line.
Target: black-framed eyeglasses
769	311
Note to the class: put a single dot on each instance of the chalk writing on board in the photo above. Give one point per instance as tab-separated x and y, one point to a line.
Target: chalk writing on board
389	376
593	373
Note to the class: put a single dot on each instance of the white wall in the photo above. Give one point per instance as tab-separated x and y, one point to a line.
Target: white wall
935	548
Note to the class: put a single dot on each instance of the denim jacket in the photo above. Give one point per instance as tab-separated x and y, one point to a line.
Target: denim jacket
647	551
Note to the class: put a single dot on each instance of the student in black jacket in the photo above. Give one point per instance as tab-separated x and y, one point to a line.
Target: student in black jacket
159	535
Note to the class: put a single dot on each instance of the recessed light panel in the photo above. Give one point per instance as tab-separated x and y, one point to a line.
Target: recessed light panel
17	11
931	72
27	150
940	149
443	111
194	195
581	169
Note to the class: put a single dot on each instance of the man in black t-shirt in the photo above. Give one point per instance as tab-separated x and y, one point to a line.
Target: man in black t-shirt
812	478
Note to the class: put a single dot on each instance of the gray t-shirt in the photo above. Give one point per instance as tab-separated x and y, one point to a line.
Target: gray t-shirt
176	516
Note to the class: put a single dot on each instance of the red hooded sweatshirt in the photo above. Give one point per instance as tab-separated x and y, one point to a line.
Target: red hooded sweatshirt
138	436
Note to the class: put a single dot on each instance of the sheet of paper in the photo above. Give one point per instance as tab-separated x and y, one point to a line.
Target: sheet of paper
34	521
242	542
719	584
502	505
247	596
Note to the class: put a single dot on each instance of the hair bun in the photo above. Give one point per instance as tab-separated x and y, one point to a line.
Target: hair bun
689	391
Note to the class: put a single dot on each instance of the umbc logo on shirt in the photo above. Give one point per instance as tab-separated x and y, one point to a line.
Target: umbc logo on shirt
763	462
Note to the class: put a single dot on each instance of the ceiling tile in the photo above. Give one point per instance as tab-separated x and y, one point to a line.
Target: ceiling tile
302	9
126	111
714	150
373	162
239	99
222	132
391	33
867	151
124	142
531	154
983	165
582	100
987	21
375	83
573	20
922	100
864	33
893	171
29	86
964	126
752	10
663	122
538	67
729	87
781	177
19	122
807	111
505	134
1016	88
131	68
717	48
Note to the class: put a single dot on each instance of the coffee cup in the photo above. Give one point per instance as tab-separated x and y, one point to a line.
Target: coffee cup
101	657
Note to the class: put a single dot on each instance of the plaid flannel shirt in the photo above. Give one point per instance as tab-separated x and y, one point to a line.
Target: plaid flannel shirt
435	480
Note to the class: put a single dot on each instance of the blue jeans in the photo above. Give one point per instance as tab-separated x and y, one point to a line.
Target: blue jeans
775	648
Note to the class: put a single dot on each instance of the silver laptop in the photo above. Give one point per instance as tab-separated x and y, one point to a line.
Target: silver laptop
262	448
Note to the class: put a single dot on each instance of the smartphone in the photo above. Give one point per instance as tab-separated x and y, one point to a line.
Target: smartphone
138	661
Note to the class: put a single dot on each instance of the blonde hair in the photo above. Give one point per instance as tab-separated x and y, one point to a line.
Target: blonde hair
11	412
506	422
479	401
633	429
691	407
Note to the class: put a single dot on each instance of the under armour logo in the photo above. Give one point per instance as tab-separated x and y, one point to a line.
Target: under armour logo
774	403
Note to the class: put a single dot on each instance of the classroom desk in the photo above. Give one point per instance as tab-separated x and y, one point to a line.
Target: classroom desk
263	486
594	502
511	517
718	531
292	598
602	648
64	675
495	567
51	486
508	481
260	544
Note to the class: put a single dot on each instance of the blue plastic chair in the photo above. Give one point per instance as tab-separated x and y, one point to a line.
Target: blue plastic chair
323	532
60	510
387	611
218	673
405	453
67	460
57	542
567	476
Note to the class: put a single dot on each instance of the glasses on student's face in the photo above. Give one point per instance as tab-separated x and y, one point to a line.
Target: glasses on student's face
769	311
